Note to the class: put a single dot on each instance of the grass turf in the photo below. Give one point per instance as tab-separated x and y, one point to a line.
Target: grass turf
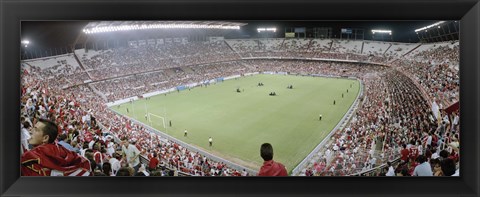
240	122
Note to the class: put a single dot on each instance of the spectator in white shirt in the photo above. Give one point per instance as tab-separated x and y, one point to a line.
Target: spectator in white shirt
424	168
391	171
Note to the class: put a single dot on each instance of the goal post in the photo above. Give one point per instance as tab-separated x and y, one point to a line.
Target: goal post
156	120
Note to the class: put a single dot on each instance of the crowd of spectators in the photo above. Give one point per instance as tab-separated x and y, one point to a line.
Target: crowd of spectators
306	48
296	45
440	79
244	45
140	59
446	54
62	73
136	85
392	114
87	127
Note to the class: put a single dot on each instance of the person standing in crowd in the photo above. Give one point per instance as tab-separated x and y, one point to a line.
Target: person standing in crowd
115	162
131	153
61	141
456	119
47	158
110	145
391	170
424	168
405	153
413	150
270	167
153	164
448	167
25	137
107	169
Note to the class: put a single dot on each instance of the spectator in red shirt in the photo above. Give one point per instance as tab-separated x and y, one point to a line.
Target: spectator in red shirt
404	153
270	167
152	166
413	151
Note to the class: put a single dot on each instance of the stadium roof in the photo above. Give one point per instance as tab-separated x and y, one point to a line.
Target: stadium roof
108	26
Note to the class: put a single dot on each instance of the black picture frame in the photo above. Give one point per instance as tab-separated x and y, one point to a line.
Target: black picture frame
13	12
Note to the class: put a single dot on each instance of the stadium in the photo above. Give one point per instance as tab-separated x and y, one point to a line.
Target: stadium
200	97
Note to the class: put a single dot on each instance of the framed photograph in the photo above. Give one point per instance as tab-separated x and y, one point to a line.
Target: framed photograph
240	98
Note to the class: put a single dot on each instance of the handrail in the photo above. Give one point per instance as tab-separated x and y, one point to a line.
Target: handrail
363	173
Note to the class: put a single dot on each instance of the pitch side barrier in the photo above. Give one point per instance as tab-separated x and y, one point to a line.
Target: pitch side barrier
192	148
177	88
134	98
303	58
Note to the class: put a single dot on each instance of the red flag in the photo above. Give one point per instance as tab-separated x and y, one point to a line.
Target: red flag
53	159
453	107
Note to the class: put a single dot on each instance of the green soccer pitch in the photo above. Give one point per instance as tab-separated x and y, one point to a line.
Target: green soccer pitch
240	122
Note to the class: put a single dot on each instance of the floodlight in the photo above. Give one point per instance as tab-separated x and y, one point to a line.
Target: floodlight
381	31
272	29
25	42
158	26
430	26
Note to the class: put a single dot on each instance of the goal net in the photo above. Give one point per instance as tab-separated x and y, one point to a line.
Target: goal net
156	121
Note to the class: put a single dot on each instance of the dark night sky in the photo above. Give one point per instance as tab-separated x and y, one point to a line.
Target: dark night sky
403	31
57	34
51	34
